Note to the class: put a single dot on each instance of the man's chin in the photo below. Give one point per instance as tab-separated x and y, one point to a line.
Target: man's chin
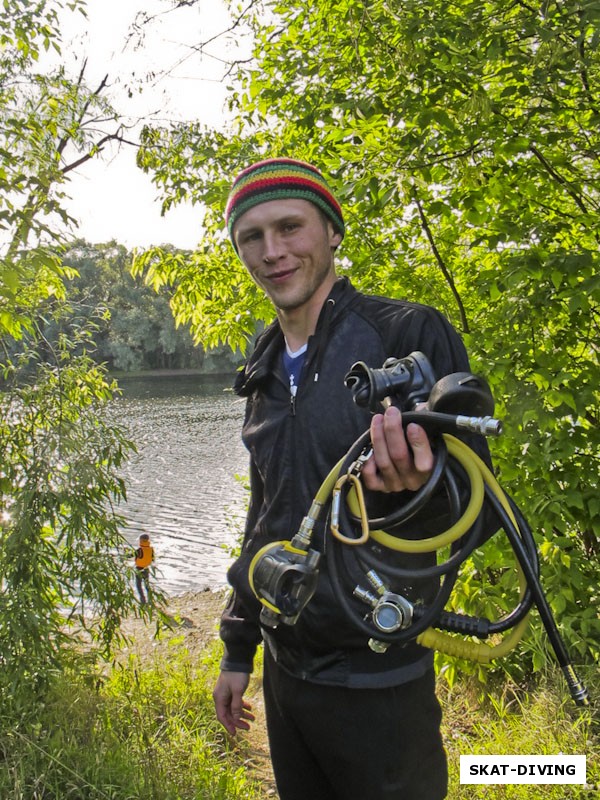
287	302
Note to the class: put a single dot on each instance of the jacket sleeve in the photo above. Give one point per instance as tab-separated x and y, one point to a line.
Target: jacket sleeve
427	330
239	629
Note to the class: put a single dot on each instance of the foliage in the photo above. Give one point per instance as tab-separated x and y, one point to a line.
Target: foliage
59	473
147	729
137	330
50	125
147	732
133	327
61	554
462	139
511	722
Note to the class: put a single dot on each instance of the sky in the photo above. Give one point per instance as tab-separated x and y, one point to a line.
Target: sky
109	196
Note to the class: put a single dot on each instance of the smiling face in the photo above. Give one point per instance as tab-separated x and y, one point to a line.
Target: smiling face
288	246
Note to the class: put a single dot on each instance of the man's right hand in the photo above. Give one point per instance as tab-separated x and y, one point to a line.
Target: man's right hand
401	460
233	711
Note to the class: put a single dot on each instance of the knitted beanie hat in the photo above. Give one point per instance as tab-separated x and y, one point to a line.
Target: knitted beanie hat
280	179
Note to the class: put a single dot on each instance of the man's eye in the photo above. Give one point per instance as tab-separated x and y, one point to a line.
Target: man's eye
251	237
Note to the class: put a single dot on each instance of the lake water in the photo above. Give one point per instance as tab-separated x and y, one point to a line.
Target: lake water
182	486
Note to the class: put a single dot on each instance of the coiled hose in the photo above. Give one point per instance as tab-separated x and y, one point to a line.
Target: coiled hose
456	468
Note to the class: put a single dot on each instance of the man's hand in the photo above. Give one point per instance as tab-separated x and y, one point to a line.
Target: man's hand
399	461
233	711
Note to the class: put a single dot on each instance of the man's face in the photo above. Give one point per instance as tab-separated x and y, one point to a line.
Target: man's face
287	246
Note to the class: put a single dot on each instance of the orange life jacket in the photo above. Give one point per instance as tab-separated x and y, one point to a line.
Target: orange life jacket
144	555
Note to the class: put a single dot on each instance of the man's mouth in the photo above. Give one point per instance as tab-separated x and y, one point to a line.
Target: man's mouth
280	276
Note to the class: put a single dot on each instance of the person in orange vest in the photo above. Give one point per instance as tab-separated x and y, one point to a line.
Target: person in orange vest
144	556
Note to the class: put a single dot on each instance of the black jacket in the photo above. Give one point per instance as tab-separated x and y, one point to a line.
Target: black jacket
293	444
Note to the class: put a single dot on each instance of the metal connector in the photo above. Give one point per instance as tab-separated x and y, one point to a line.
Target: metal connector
303	536
487	426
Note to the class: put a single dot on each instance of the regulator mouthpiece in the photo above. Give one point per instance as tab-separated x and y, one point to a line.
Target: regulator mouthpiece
407	380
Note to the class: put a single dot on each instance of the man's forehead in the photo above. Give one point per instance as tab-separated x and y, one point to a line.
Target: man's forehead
273	211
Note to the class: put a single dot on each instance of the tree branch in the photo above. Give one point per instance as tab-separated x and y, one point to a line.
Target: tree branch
441	263
96	93
97	148
200	48
584	73
558	178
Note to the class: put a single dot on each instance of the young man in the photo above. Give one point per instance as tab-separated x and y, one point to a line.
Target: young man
344	722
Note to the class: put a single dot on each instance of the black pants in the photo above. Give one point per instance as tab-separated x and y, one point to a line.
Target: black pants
334	743
142	579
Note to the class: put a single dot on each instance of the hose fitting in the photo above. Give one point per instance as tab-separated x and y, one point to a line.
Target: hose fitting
486	426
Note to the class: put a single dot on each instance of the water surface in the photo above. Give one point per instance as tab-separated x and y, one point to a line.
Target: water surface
182	486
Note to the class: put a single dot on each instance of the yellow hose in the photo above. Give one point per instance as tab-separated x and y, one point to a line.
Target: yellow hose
478	473
472	651
460	527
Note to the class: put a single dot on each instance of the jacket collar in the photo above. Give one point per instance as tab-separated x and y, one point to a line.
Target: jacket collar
269	344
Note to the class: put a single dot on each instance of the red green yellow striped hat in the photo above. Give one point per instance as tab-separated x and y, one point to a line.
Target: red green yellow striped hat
280	179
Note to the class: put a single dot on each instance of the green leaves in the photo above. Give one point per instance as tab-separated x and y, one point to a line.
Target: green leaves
59	457
463	141
59	535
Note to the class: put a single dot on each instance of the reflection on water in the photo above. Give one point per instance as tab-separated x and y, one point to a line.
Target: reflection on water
182	488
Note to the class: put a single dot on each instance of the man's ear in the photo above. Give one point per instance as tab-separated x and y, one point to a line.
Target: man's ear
335	239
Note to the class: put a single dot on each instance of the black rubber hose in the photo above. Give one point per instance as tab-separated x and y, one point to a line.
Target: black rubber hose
577	689
427	614
471	539
523	533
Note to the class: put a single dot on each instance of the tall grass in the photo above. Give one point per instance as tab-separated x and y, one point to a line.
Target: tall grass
139	733
510	721
147	731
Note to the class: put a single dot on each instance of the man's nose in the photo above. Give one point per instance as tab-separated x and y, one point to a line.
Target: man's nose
271	247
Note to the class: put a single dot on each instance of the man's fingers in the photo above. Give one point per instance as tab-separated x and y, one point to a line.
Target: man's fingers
395	440
400	460
243	712
421	449
242	715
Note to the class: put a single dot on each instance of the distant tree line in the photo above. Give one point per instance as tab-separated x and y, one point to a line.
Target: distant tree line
134	326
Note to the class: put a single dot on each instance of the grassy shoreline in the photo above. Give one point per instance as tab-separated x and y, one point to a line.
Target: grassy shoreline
144	727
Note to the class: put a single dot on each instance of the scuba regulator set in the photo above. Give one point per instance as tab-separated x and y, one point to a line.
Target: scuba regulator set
360	552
